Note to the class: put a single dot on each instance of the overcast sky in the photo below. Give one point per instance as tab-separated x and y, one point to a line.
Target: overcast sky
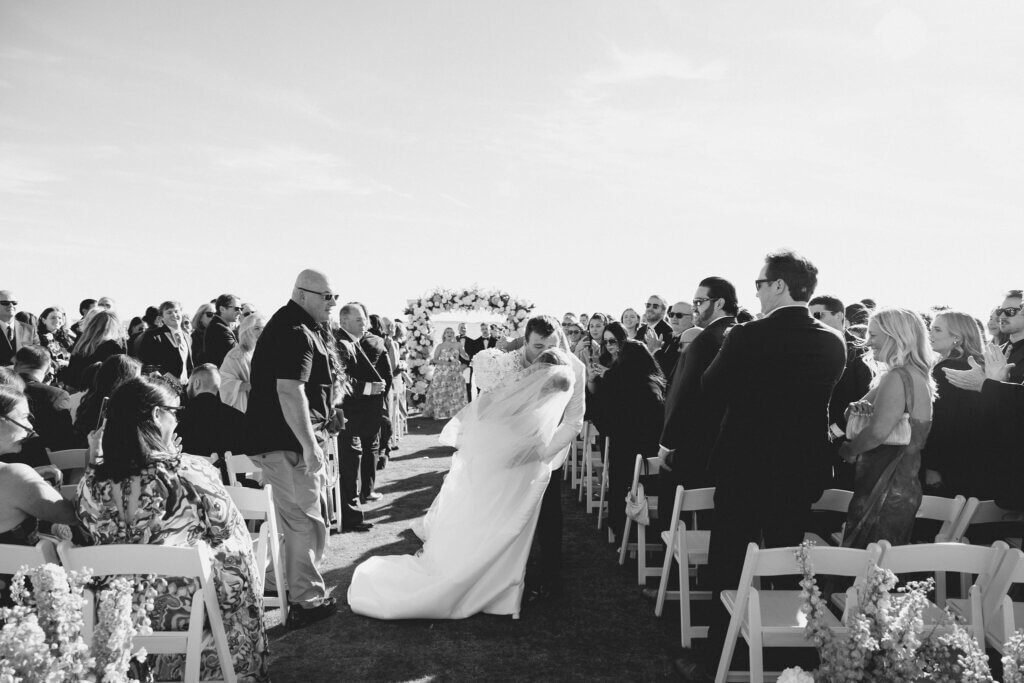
579	154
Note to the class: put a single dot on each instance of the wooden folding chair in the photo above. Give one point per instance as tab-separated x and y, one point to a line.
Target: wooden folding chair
238	464
14	557
640	547
258	505
193	563
773	618
71	461
689	548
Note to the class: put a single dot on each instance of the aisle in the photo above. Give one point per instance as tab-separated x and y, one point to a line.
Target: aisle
603	629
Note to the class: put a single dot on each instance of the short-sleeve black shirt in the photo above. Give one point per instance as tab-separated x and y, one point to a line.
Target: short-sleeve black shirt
289	348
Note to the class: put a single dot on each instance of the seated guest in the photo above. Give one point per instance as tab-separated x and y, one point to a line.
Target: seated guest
219	337
200	321
207	425
84	307
50	405
167	350
56	338
234	371
106	378
13	333
144	491
628	391
102	338
630	319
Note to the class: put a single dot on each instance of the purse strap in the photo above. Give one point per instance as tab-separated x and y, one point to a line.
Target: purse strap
908	389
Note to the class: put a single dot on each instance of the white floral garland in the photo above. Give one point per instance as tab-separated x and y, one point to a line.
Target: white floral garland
420	336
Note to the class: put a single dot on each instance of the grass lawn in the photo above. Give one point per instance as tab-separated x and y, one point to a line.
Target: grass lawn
602	629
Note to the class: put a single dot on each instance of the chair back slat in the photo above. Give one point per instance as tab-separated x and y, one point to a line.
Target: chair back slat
945	510
126	559
14	557
824	560
834	500
69	459
939	557
252	503
695	500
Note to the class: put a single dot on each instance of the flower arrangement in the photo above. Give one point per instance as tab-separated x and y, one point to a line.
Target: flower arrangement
41	639
420	336
887	639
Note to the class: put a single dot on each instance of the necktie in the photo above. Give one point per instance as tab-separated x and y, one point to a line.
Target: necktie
10	335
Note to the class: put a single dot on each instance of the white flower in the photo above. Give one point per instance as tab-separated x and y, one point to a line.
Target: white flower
795	674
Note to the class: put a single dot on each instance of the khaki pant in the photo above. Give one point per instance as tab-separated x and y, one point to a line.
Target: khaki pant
297	498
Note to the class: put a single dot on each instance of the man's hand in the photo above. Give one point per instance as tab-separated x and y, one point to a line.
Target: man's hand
652	339
376	388
968	380
314	458
996	366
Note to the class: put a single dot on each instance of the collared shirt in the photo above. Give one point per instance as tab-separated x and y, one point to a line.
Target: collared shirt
799	304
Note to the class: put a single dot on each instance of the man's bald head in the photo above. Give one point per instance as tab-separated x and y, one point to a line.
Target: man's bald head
314	294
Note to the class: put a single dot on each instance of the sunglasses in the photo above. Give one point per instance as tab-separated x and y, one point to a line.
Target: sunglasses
611	341
1009	311
673	314
327	296
818	315
758	283
8	303
208	314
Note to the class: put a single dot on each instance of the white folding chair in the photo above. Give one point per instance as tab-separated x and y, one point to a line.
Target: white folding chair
832	500
773	618
69	492
71	461
238	464
258	505
334	481
14	557
936	508
585	464
689	548
1002	615
193	563
640	547
595	500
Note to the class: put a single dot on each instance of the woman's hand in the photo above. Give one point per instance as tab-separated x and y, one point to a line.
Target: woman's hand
862	408
846	453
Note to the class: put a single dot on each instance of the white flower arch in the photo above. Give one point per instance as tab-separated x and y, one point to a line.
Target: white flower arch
420	340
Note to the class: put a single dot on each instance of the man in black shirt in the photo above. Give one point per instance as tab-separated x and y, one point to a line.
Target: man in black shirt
290	404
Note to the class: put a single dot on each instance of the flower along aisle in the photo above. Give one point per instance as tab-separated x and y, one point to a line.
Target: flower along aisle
887	639
421	332
41	640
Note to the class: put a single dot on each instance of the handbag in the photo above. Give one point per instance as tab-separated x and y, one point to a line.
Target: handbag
899	436
636	506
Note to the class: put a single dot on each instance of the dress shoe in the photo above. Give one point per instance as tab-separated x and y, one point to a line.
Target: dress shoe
361	527
372	498
692	668
299	616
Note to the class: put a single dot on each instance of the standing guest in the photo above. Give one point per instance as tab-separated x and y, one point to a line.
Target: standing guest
13	333
585	321
447	394
84	307
775	376
290	405
235	370
387	441
207	425
109	375
107	304
692	419
401	369
167	350
680	319
574	333
369	373
219	337
55	337
854	383
887	492
136	328
569	319
145	492
200	321
51	406
102	337
630	320
247	310
589	347
1011	324
628	390
856	314
953	460
29	319
654	321
473	347
869	304
995	334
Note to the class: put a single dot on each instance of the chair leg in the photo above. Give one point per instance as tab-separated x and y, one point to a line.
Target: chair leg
729	647
625	541
641	553
666	567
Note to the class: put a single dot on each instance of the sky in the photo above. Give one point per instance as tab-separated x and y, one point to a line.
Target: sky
580	154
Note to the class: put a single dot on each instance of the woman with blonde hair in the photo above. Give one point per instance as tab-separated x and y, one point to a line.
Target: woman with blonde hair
200	321
234	371
103	336
887	430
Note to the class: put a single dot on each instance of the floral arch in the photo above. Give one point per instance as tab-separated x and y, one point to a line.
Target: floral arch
420	342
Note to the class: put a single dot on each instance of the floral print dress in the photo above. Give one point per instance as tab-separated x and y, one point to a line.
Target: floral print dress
180	501
447	393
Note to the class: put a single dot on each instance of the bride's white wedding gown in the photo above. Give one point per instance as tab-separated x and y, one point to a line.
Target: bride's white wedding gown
478	531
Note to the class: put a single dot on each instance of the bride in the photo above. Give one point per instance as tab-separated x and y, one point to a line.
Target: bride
478	531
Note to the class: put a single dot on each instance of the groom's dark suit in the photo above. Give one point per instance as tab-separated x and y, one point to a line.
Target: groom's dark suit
775	377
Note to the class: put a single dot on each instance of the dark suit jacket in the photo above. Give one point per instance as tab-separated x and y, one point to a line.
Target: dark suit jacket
51	415
369	363
158	349
1005	400
475	346
24	335
490	343
691	419
218	340
209	426
668	357
852	385
1016	357
775	377
663	329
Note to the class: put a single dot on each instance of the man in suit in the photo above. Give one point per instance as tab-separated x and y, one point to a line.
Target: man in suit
50	406
14	334
680	319
1011	323
473	347
168	349
654	322
219	337
207	425
369	372
775	377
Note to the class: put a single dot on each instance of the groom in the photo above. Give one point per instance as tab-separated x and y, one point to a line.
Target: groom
542	333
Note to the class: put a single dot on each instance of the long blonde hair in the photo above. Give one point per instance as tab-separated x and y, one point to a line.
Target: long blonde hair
198	320
905	342
966	328
102	326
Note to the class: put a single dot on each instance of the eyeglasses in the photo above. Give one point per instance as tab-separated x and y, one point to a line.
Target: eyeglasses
1009	311
174	410
31	432
8	303
696	303
673	314
758	283
818	315
234	308
327	296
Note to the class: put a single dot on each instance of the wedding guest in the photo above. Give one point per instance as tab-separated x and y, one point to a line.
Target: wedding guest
387	441
869	304
630	319
207	425
167	350
854	383
679	314
574	333
107	304
856	314
744	316
13	333
235	370
84	307
584	321
102	337
995	334
200	321
954	458
109	375
774	376
55	337
654	321
589	348
9	378
144	491
50	405
219	337
887	492
446	394
1011	323
568	319
473	347
628	390
290	405
692	420
248	309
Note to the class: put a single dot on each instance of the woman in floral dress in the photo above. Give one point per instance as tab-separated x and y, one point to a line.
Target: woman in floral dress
143	491
447	393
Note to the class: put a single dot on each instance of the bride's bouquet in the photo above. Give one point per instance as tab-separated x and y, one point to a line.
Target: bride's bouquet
492	367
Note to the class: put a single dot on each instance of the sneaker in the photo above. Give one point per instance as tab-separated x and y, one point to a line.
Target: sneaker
299	616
